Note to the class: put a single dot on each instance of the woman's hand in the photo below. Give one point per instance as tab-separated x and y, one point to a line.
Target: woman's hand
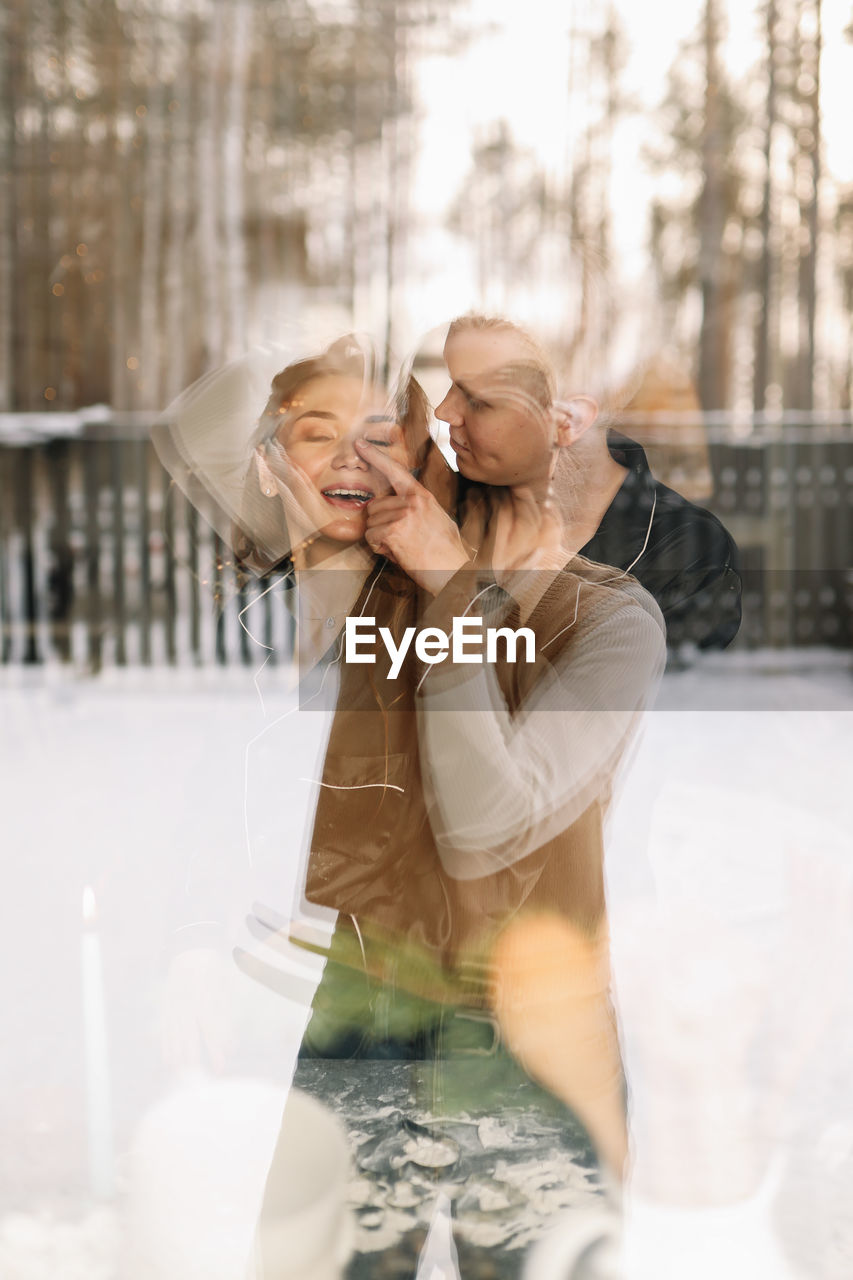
305	511
410	527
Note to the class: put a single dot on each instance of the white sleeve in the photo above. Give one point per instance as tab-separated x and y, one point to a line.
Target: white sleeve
497	785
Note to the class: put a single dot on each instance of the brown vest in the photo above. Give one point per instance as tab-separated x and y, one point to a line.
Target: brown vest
373	854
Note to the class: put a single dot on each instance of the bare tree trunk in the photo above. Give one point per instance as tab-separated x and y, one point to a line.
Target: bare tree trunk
178	277
153	195
392	138
13	45
42	364
67	185
234	150
761	369
713	353
611	111
810	224
264	247
120	220
208	185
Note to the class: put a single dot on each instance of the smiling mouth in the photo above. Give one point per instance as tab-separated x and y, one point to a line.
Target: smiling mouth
347	499
455	445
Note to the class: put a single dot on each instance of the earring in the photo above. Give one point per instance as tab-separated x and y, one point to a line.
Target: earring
269	490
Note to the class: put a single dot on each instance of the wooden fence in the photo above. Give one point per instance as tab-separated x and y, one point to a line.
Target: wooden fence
786	496
104	562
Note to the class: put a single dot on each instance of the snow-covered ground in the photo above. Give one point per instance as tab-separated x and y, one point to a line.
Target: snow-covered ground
739	793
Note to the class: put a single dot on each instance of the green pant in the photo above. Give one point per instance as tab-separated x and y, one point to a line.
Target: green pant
358	1015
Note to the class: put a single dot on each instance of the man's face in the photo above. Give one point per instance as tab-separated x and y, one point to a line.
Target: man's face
499	432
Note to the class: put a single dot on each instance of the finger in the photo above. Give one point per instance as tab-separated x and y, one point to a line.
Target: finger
283	935
382	528
389	513
299	990
276	938
295	472
299	491
401	480
389	503
378	545
290	477
285	470
303	933
268	916
376	534
381	539
305	509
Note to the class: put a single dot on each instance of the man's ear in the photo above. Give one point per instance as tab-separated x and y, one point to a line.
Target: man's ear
573	417
266	479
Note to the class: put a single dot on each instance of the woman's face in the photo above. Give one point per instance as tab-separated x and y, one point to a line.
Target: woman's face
320	425
499	434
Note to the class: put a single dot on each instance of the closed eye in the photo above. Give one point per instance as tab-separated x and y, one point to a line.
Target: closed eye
472	401
391	435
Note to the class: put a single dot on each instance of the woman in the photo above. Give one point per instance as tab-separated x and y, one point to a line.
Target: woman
288	492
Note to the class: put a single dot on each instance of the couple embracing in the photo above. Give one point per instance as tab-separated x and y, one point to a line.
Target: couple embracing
458	824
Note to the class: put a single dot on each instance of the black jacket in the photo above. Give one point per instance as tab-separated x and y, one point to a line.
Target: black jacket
680	553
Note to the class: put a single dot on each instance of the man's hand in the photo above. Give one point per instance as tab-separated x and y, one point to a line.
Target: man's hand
409	526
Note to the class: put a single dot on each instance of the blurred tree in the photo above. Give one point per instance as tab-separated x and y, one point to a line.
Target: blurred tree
806	104
716	201
742	229
179	177
844	267
529	225
697	234
766	274
500	209
597	102
787	286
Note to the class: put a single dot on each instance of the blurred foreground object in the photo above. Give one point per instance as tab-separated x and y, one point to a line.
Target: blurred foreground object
553	1006
198	1169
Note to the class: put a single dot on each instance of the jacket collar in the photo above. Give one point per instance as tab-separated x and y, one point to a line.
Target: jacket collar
625	525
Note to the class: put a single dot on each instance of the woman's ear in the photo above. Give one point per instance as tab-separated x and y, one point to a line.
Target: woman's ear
572	418
266	479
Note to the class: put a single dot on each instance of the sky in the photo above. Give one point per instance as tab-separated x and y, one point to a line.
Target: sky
517	70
